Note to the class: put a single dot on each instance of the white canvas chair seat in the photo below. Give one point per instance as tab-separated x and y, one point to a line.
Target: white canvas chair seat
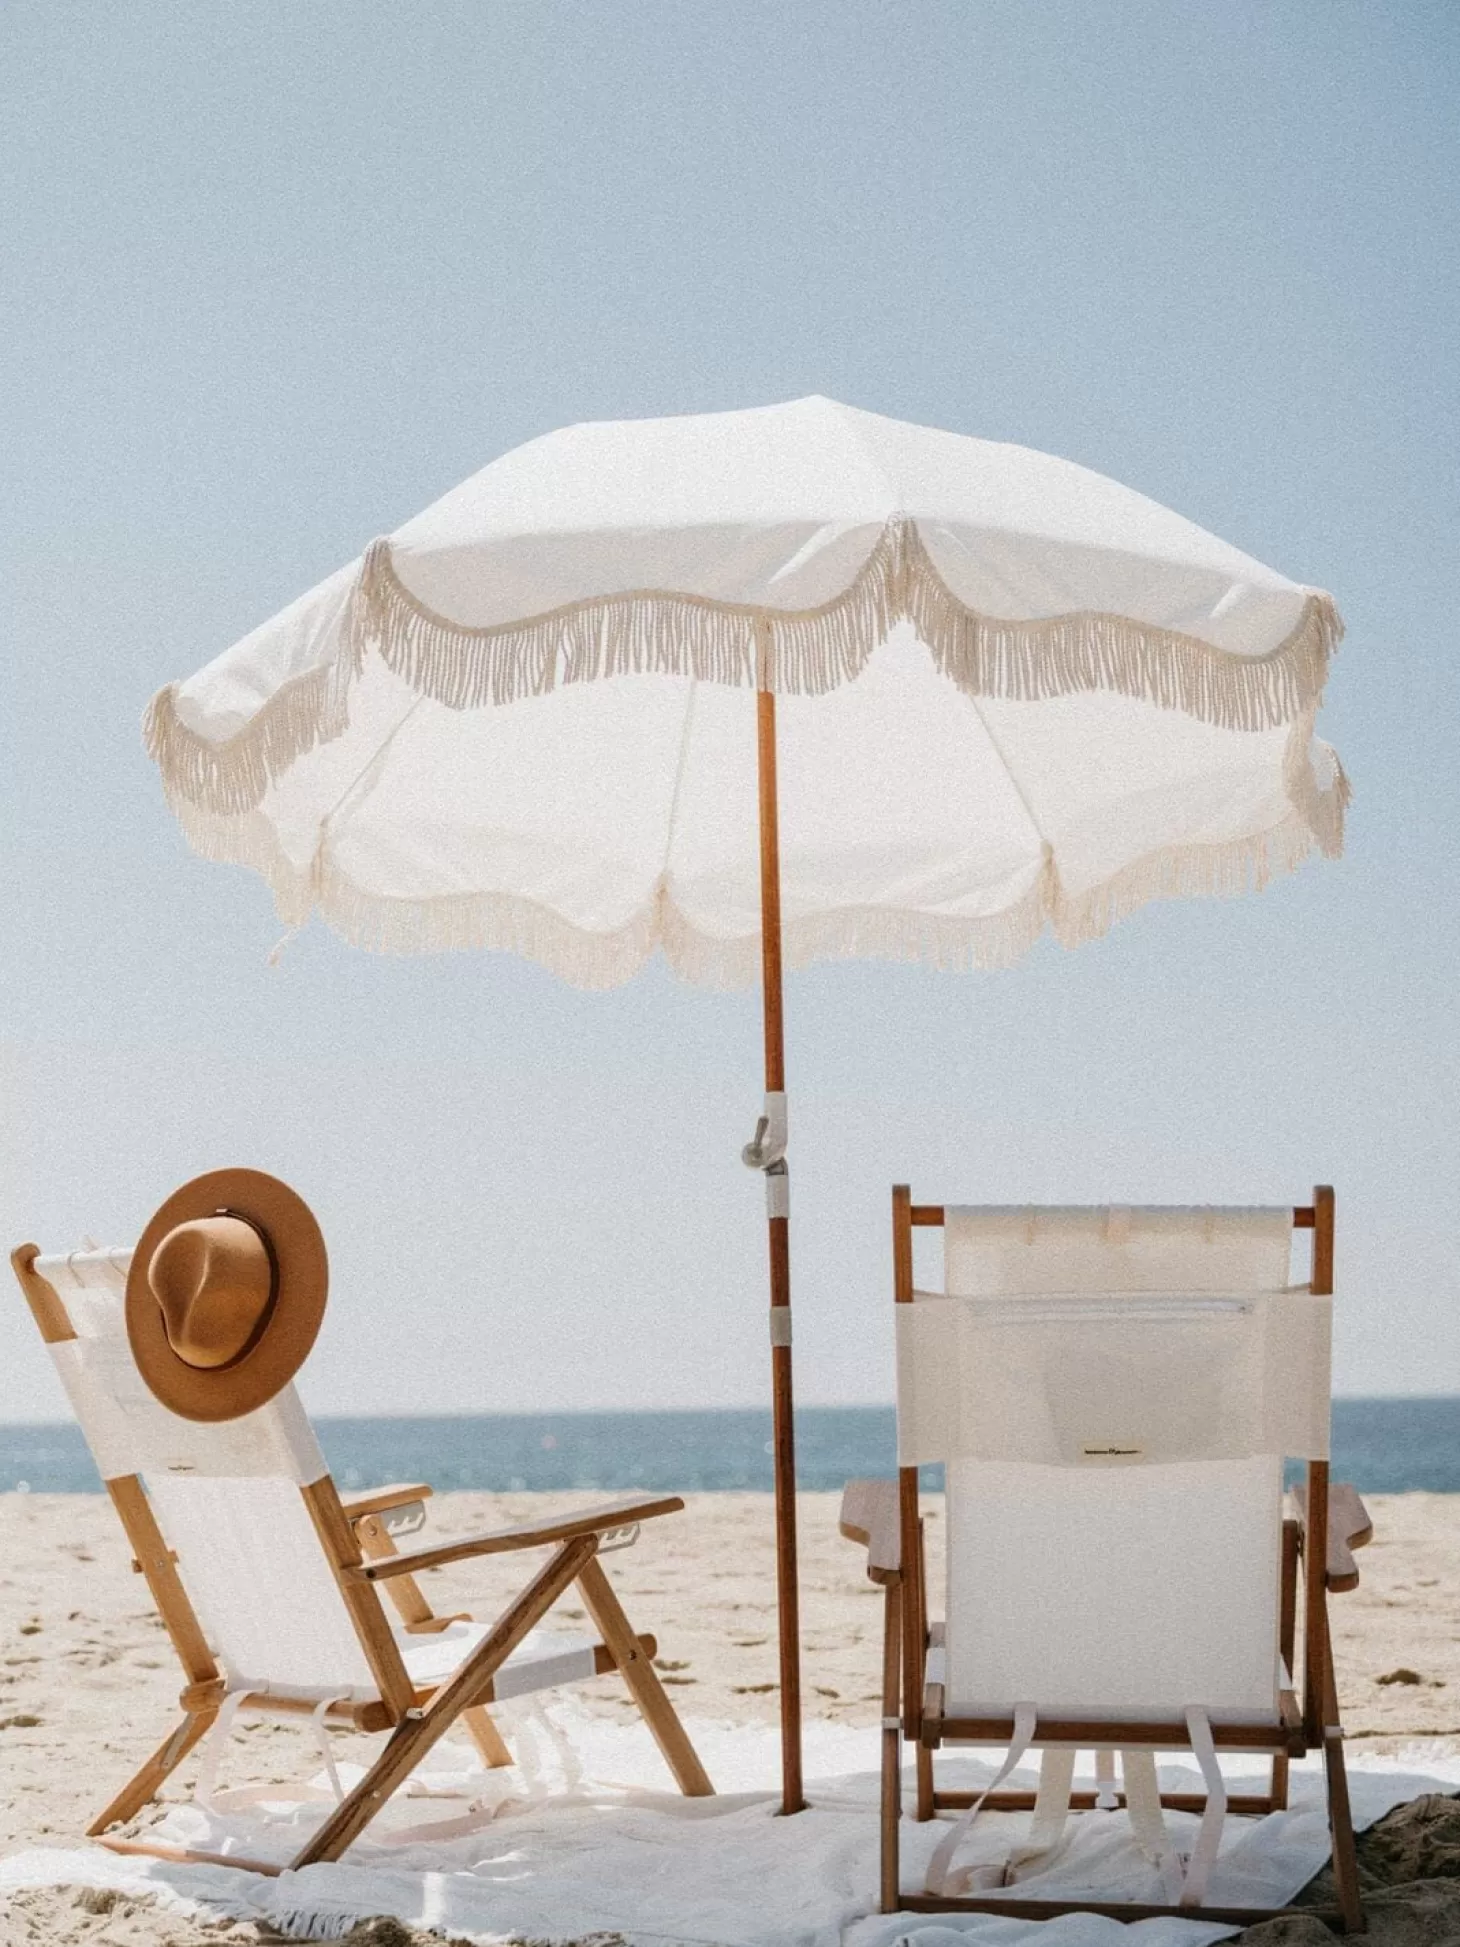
549	1657
1112	1394
272	1587
1114	1448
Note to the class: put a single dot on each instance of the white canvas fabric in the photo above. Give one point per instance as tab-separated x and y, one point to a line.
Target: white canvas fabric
542	1660
226	1496
1015	696
129	1430
252	1564
617	1855
1132	1592
997	1251
1087	1336
1113	1378
1114	1391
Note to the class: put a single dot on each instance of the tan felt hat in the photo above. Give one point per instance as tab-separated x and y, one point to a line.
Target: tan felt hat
226	1294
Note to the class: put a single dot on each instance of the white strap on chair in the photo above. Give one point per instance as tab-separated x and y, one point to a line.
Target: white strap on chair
212	1800
1209	1833
533	1729
326	1749
530	1718
1051	1807
1147	1821
941	1880
478	1815
205	1791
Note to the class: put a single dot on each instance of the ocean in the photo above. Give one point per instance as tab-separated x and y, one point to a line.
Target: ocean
1382	1446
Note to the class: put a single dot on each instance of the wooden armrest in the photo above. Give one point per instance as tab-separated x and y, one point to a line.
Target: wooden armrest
379	1499
1349	1527
870	1515
530	1534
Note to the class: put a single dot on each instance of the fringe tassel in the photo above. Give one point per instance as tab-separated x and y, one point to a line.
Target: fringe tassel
317	1922
1322	807
811	651
802	652
1184	872
503	923
232	777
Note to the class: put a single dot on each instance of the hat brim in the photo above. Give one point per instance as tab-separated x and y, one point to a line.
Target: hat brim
285	1219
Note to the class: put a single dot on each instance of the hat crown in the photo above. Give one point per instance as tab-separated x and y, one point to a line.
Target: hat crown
214	1281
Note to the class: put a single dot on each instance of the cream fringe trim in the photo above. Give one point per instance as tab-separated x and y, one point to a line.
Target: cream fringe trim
233	776
505	923
800	652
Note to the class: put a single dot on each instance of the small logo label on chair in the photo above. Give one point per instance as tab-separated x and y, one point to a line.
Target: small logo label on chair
1110	1451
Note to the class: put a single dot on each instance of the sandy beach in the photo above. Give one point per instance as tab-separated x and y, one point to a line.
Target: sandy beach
88	1681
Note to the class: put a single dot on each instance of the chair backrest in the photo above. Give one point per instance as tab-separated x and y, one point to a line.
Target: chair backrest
1113	1393
226	1495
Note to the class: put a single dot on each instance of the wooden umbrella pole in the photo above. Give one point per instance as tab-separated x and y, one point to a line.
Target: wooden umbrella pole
778	1227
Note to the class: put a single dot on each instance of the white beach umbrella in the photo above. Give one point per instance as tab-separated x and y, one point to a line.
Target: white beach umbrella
801	679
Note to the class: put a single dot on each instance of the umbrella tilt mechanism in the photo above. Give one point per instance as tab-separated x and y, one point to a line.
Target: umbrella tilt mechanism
766	1152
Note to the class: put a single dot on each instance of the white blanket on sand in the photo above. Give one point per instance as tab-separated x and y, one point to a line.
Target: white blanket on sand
615	1853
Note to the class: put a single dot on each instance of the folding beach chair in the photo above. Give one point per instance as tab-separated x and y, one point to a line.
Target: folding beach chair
1112	1393
270	1585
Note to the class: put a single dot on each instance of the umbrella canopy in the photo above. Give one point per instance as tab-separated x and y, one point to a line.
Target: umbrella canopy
801	680
907	593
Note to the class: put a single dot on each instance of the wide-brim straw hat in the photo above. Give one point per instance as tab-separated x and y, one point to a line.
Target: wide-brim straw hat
226	1294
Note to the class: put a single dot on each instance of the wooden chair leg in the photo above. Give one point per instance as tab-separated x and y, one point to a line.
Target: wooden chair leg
490	1743
891	1884
915	1661
643	1681
1287	1645
144	1787
1341	1825
1340	1816
923	1759
420	1728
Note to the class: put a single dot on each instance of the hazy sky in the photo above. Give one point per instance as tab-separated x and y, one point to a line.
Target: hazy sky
274	277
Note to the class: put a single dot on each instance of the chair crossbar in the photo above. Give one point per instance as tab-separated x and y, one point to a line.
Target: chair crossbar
1087	1734
1237	1916
1087	1801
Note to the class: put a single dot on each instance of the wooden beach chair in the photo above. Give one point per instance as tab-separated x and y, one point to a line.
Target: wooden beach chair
271	1586
1113	1394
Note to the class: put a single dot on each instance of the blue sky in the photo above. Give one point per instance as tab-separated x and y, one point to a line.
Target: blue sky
275	277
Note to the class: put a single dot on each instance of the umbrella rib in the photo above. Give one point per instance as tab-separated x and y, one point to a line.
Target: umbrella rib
364	771
1013	776
679	770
